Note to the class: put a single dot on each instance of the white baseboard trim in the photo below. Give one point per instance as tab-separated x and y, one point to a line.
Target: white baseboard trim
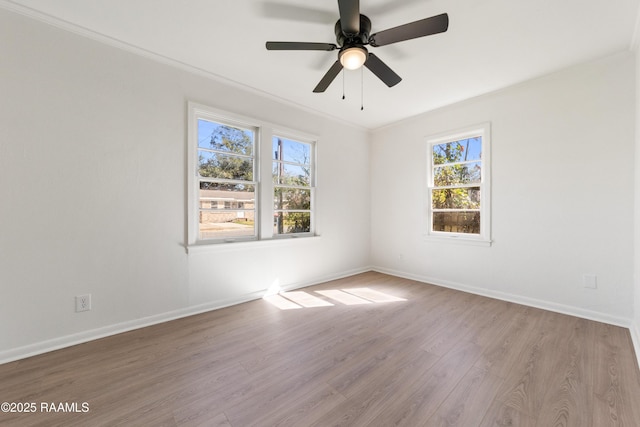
518	299
635	339
35	349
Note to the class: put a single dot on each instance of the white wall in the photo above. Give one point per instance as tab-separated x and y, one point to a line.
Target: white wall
92	194
635	326
93	200
562	193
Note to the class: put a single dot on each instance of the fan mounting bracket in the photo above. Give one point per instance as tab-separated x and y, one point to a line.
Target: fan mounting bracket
362	38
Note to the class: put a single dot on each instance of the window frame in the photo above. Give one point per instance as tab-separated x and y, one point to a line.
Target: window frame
227	205
264	186
311	142
482	130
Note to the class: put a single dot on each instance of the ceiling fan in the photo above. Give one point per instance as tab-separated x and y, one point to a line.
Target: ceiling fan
352	35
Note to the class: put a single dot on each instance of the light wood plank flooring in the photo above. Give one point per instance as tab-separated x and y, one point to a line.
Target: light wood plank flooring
343	353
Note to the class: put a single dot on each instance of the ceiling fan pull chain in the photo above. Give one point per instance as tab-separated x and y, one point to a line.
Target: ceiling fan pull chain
343	84
361	89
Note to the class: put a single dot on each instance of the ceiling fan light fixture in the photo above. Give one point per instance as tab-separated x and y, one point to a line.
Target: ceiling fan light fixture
353	58
353	33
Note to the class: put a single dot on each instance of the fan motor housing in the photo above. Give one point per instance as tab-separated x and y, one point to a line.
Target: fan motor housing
361	38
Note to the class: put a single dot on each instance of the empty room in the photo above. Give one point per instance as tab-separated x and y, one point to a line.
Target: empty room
354	213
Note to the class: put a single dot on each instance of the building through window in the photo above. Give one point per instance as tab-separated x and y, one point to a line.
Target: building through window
228	188
226	183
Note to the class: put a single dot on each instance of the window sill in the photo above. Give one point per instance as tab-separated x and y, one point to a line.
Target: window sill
458	239
241	245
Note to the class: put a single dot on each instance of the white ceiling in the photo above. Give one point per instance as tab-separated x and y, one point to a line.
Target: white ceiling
490	44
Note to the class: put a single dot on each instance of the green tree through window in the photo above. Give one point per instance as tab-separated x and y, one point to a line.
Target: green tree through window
234	194
456	191
292	179
226	168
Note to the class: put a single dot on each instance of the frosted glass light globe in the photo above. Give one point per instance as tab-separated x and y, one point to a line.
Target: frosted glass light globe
353	57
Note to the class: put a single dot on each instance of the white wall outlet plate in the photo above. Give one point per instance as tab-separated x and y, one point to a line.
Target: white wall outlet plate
83	303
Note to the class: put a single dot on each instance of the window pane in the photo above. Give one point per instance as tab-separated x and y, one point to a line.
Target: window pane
226	224
221	137
226	210
467	173
458	151
292	198
456	198
291	151
291	166
291	174
214	195
216	165
292	222
457	222
223	186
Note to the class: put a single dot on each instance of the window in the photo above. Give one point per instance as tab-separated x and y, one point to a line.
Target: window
226	185
292	186
458	181
230	181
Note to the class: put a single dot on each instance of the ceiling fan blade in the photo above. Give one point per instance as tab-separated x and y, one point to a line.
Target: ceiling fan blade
380	69
424	27
300	46
349	16
328	78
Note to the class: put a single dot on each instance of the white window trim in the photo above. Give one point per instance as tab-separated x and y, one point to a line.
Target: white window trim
264	187
313	142
484	238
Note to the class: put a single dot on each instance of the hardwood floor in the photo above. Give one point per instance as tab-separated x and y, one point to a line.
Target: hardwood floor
344	357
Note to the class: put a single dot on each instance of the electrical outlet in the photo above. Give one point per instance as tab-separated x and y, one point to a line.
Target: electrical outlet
83	303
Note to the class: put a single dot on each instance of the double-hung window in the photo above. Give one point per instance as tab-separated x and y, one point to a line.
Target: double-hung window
292	185
226	180
458	184
234	193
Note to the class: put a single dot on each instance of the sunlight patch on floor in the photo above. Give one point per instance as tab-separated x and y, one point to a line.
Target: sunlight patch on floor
281	302
343	297
274	289
306	299
373	295
353	296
